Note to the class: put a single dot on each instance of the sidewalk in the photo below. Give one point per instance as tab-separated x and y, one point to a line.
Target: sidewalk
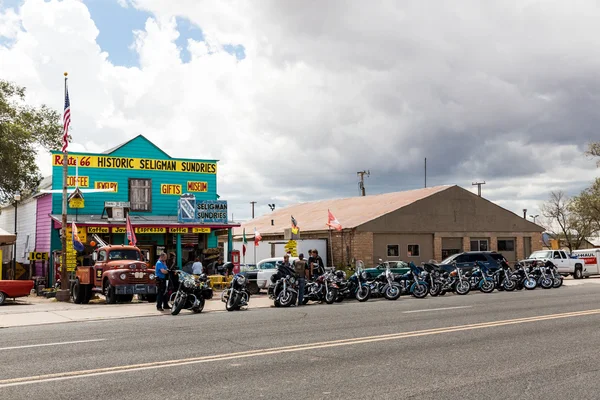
33	310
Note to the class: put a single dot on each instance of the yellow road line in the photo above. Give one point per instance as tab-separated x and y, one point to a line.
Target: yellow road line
284	349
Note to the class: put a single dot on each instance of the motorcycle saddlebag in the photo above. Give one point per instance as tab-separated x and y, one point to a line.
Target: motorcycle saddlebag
207	293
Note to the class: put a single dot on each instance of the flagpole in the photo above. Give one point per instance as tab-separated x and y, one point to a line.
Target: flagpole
330	247
254	246
63	295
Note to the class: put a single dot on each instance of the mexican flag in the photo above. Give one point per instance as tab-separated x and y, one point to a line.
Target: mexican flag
244	243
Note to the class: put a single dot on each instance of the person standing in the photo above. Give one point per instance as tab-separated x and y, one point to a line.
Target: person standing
197	267
317	267
161	272
300	269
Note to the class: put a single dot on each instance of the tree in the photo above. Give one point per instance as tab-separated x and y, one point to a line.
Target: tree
587	204
594	151
565	221
23	128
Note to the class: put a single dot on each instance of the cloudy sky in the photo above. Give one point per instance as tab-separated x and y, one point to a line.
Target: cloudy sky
295	97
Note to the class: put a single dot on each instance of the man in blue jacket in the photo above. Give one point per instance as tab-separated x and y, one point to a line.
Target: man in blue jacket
162	272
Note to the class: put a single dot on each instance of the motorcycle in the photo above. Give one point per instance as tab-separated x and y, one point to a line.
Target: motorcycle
552	270
480	277
524	278
356	286
324	288
538	271
237	294
191	293
282	289
505	278
412	282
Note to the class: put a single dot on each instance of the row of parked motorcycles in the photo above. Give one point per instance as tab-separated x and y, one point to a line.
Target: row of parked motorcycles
419	282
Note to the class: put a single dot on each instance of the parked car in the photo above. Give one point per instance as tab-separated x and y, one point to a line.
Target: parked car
565	264
396	267
14	288
468	259
260	278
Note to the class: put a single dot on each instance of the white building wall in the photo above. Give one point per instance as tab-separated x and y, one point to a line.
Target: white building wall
26	218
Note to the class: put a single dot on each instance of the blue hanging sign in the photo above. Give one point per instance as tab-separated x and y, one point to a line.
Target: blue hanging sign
212	211
187	208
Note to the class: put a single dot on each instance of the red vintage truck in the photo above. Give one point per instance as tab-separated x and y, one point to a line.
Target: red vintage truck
119	272
14	288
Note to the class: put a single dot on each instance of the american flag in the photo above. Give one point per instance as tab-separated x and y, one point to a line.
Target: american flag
66	120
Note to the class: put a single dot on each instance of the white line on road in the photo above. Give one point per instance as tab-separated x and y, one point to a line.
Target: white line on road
50	344
436	309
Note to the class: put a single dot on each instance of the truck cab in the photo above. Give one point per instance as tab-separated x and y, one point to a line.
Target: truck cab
118	273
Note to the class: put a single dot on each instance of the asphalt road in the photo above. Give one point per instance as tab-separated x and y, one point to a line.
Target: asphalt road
521	345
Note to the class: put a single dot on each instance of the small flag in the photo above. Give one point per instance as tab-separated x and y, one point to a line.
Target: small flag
295	228
130	234
77	245
244	243
66	120
332	222
257	237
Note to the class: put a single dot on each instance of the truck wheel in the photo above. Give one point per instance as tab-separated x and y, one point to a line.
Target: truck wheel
578	272
77	292
109	293
151	298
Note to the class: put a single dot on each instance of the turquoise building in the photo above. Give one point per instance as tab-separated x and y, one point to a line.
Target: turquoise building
172	203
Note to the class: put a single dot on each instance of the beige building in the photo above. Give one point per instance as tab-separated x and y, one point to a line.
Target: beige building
417	225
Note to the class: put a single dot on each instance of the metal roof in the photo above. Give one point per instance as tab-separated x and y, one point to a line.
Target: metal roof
350	212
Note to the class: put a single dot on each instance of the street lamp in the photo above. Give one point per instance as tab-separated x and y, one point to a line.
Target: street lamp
17	198
534	217
272	207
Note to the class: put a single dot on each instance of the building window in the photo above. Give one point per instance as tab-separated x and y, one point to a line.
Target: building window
506	245
413	250
479	245
393	250
140	194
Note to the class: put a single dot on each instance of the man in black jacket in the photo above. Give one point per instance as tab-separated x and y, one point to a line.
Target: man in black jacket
317	268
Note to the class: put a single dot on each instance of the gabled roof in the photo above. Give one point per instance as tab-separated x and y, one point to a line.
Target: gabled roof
135	139
350	212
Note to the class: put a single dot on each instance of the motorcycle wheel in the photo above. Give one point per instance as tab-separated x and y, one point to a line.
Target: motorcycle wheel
286	298
330	296
547	283
178	303
231	304
558	282
463	287
363	293
199	309
339	298
420	291
392	292
443	293
435	289
487	286
509	285
530	284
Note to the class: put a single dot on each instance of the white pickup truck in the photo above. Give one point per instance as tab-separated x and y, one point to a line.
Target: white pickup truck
566	265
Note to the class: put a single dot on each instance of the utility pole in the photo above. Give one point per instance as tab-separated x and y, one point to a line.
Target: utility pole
361	184
478	184
253	203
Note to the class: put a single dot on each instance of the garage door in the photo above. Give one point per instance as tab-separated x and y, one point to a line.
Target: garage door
451	246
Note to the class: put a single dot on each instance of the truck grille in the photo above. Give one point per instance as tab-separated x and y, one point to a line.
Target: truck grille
137	280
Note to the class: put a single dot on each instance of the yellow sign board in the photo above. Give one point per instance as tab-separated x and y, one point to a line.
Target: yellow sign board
107	185
80	232
76	202
84	181
71	252
119	229
97	229
151	230
178	230
146	164
170	189
292	248
197	186
200	230
37	256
